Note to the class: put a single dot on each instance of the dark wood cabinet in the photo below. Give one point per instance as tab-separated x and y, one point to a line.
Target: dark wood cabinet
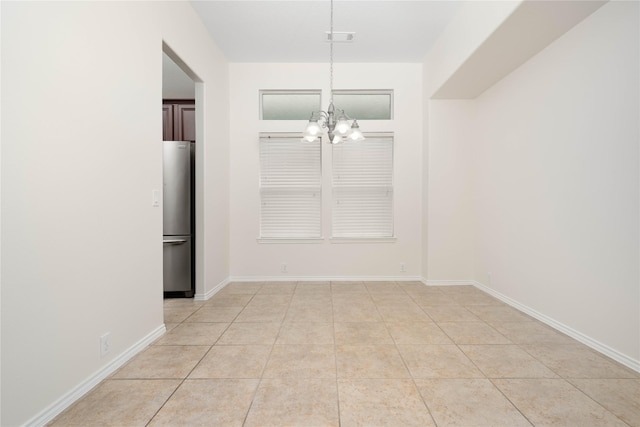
178	121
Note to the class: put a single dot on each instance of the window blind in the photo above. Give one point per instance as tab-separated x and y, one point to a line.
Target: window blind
362	184
290	188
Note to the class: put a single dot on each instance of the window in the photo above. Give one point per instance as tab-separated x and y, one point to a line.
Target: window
288	104
365	104
290	187
362	205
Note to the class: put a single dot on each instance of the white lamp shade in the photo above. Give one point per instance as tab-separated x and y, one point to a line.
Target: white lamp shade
309	138
342	127
355	134
313	129
337	139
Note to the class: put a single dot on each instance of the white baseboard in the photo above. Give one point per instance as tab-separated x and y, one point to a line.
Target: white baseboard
84	387
578	336
448	282
217	288
325	279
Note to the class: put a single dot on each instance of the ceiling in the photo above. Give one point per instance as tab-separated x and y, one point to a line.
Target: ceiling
294	31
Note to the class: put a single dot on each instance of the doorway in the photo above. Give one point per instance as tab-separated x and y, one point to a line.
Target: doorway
181	269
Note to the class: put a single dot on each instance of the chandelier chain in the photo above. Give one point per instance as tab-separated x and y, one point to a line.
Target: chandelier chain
331	58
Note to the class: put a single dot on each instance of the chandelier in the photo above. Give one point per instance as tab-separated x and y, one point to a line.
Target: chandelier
334	120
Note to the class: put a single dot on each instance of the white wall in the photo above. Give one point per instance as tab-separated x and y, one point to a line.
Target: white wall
81	251
448	255
471	26
556	160
250	259
175	83
550	156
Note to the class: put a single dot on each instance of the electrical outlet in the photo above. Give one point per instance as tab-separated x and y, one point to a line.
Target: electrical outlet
283	268
402	269
105	344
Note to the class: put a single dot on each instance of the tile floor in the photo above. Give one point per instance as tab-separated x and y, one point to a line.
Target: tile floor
359	354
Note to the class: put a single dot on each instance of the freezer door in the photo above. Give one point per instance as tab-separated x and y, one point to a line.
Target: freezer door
177	263
176	178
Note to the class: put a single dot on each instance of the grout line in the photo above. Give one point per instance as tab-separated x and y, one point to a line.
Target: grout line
266	363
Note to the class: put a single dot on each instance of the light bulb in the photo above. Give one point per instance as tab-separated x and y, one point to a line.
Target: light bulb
337	139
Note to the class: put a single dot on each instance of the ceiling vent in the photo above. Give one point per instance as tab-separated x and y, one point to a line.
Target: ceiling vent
340	36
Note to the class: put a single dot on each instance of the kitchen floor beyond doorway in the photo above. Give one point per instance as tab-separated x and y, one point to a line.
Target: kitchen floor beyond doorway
359	354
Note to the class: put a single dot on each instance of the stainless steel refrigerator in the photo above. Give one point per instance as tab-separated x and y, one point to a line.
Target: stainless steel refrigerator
178	218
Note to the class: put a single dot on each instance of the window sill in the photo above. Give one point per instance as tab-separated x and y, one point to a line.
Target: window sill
363	240
290	240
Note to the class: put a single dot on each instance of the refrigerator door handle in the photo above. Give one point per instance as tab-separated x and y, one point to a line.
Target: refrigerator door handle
174	242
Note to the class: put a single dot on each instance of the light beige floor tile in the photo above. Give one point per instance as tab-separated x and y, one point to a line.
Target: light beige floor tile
383	287
170	326
277	288
182	303
301	361
468	402
221	402
193	334
531	333
407	284
229	300
233	361
312	299
397	298
250	333
119	403
402	313
577	361
438	361
417	333
506	361
422	290
173	302
450	313
215	314
247	288
370	361
310	312
460	290
348	287
360	312
178	314
478	299
433	299
497	314
294	402
620	396
162	361
472	333
358	333
259	313
306	333
269	300
381	402
351	298
314	288
555	402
